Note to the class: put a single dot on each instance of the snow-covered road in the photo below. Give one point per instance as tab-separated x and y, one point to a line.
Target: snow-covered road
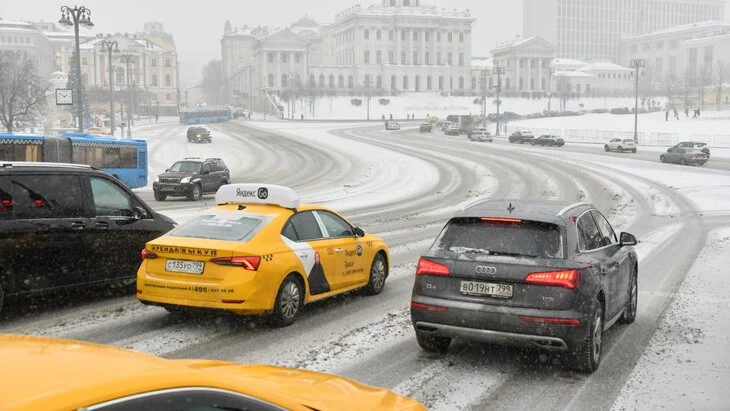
404	185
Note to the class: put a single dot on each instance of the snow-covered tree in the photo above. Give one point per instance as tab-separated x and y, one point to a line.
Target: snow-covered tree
22	91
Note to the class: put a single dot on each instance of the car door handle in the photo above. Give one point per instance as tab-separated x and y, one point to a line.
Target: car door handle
338	250
303	255
102	224
78	225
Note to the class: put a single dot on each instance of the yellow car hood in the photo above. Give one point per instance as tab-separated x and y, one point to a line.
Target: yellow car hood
315	390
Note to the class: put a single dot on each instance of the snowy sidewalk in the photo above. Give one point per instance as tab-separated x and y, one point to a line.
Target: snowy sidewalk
687	363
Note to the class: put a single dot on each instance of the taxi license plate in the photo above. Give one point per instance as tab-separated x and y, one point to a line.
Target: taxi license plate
182	266
490	289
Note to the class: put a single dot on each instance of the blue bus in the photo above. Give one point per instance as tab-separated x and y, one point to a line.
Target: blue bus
124	159
198	115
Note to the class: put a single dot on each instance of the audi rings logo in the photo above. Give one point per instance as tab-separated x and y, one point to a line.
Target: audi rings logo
263	193
485	269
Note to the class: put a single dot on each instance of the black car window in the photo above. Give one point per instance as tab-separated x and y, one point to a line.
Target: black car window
6	200
46	196
524	238
186	166
289	232
609	236
589	237
109	199
306	226
336	226
206	167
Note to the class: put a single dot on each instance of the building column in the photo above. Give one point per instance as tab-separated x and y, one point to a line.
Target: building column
529	75
277	65
517	78
540	70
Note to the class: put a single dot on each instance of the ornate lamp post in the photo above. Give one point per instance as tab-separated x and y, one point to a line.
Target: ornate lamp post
637	64
499	71
128	58
111	46
73	17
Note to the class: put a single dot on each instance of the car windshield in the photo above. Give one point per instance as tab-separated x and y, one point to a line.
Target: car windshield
526	238
186	166
222	226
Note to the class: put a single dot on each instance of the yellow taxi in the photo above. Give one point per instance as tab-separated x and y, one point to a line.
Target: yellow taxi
260	252
49	374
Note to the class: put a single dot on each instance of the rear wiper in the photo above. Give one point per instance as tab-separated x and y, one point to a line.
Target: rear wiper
469	250
507	253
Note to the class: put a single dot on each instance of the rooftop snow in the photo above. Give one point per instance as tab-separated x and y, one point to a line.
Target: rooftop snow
683	28
604	67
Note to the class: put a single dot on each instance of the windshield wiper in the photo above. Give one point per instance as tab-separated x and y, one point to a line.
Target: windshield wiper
507	253
469	250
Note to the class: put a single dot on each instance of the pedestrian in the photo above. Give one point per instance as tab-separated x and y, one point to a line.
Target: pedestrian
686	111
302	116
666	115
391	116
676	115
698	112
157	117
383	116
694	113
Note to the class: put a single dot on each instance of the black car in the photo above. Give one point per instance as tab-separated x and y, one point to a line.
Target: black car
684	156
696	145
547	140
199	134
425	128
521	137
191	177
543	274
67	226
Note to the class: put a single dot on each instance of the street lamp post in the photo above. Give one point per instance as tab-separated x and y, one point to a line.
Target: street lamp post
637	64
498	71
74	17
550	72
128	58
111	46
484	98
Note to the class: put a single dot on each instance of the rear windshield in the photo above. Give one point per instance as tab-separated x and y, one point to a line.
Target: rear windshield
526	238
222	226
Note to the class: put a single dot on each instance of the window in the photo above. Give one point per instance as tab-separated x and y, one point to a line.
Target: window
403	57
450	58
270	57
427	59
390	35
41	196
168	80
405	82
321	81
589	237
305	226
427	36
438	58
297	58
378	57
391	57
335	226
415	57
461	37
283	57
461	83
350	82
154	80
429	83
379	82
332	81
378	34
659	45
109	199
84	60
403	35
366	57
341	81
168	97
367	34
415	35
119	75
284	80
154	62
270	80
167	62
451	37
438	36
461	59
609	236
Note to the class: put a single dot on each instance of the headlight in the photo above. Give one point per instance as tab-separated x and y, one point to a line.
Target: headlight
185	180
157	179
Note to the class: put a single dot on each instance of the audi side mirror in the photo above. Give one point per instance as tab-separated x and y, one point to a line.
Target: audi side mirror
627	239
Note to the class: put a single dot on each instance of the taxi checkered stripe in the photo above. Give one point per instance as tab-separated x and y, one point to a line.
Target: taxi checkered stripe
268	257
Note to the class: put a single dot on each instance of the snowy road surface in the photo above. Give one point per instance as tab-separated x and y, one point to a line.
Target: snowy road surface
403	186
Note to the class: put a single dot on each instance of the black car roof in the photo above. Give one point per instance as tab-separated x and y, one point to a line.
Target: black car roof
548	211
37	166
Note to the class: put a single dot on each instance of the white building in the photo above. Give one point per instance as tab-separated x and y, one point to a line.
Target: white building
592	29
527	65
24	37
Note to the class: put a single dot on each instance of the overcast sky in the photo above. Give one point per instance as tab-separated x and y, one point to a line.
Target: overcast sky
198	29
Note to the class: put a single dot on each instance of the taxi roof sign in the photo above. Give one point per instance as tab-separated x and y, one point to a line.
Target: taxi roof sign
257	194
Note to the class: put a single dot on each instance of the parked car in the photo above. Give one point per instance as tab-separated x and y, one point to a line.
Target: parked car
521	137
543	274
479	134
452	131
695	144
392	125
547	140
199	134
425	128
68	226
621	145
191	177
684	156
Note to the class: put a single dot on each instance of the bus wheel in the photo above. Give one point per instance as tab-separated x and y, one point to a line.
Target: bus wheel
160	196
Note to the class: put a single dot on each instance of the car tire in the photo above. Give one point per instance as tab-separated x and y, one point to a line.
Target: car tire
633	151
160	196
662	159
433	343
289	302
587	356
620	149
629	315
683	162
197	193
378	274
605	148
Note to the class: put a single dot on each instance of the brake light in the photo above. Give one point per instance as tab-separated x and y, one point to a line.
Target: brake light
250	263
501	220
565	278
147	254
427	307
550	320
428	267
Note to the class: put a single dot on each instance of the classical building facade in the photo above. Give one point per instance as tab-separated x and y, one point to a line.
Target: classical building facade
26	38
526	63
592	29
397	46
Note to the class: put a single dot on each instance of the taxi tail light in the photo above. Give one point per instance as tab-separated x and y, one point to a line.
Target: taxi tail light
428	267
147	254
564	278
249	263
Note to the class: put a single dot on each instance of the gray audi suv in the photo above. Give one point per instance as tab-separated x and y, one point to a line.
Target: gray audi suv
544	274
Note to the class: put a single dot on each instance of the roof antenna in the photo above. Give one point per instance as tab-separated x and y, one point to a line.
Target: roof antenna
510	208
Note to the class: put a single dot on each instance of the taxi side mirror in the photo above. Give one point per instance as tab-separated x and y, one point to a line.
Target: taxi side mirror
359	232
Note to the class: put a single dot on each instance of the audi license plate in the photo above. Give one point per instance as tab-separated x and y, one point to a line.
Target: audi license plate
490	289
182	266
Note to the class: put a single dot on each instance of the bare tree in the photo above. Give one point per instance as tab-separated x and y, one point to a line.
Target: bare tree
22	91
701	80
564	87
721	75
687	80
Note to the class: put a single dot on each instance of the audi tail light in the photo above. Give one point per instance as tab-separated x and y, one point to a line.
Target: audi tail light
250	263
565	278
428	267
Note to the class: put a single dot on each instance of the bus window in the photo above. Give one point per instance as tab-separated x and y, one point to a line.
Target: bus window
128	157
20	152
111	157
